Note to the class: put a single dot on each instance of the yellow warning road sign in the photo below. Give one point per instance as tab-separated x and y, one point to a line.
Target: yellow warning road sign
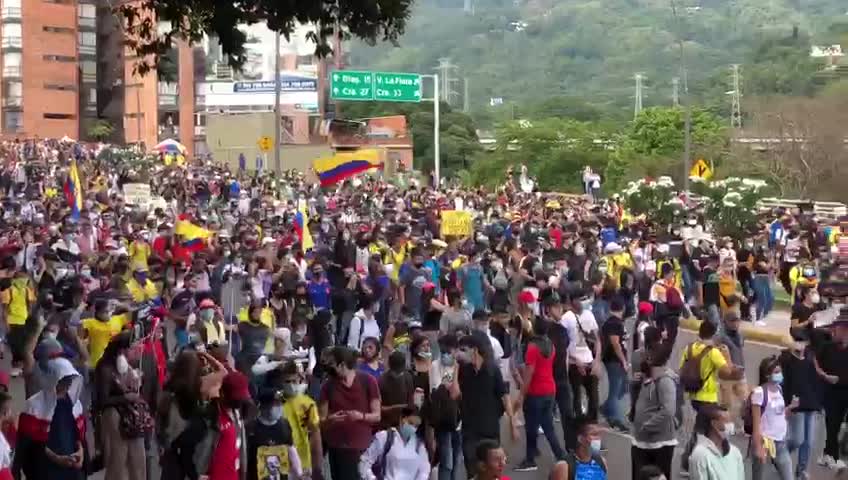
265	143
701	170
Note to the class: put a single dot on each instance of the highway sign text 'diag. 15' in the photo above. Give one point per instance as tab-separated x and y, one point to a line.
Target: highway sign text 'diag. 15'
351	85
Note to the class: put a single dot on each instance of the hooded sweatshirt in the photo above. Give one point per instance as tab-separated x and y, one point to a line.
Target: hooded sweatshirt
708	462
54	422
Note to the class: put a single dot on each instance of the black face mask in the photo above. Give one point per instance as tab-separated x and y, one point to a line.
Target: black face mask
419	264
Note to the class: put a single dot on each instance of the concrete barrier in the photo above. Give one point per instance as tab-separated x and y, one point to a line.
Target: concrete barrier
750	332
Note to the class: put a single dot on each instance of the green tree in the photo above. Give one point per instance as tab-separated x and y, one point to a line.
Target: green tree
554	150
660	131
101	130
192	19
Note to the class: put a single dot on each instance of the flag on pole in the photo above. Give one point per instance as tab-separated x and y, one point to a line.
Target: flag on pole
73	190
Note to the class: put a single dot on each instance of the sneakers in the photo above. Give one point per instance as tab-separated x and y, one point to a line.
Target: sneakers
840	465
15	372
540	431
831	463
527	466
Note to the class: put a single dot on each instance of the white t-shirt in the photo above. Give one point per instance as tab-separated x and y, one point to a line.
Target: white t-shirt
578	349
773	424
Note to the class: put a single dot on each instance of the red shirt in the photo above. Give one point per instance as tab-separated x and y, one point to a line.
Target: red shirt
542	383
224	462
556	236
339	397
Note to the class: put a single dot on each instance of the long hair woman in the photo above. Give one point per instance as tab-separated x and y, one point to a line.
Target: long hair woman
117	396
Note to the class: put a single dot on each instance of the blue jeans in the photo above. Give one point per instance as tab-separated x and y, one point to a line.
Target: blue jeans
539	412
688	283
449	447
601	310
617	379
764	295
803	428
782	462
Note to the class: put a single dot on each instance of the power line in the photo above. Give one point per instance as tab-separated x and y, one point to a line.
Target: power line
447	77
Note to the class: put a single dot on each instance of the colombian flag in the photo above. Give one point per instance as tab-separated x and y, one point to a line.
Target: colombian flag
193	236
73	190
340	166
301	226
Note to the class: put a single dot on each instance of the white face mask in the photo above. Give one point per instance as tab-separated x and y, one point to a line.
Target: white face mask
122	364
815	297
50	334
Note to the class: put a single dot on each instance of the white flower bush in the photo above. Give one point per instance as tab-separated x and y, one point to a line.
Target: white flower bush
730	205
656	199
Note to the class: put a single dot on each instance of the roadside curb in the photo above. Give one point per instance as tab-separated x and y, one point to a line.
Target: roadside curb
751	333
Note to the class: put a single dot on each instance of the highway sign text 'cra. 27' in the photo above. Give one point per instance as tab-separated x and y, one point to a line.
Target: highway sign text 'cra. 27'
381	86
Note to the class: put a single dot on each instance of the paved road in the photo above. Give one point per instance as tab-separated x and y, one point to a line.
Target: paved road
618	445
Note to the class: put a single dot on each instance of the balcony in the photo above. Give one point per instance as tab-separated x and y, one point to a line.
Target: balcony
199	131
11	42
10	14
87	50
13	102
11	71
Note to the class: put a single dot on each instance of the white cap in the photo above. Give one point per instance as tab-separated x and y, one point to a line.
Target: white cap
662	248
612	247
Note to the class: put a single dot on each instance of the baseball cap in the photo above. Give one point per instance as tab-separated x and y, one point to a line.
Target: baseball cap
236	387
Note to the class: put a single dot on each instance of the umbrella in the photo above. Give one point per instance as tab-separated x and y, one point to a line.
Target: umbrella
170	146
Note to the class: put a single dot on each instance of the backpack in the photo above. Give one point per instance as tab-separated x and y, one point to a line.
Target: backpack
573	463
673	299
379	467
748	412
690	372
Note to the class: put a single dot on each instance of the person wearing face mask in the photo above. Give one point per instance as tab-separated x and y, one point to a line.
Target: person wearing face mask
397	453
349	407
655	420
301	412
769	425
714	457
833	370
140	287
100	329
803	314
364	324
584	353
798	366
269	439
210	327
255	335
586	460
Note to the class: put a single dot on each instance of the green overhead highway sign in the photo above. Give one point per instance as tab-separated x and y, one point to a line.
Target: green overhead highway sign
350	85
380	86
397	87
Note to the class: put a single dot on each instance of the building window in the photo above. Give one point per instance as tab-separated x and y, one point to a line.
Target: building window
13	121
12	36
50	29
11	64
89	70
60	58
59	116
58	86
88	39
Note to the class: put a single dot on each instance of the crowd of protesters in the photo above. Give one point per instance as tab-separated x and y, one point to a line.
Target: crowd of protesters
201	340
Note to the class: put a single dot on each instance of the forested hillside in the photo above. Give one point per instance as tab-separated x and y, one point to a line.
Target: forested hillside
528	51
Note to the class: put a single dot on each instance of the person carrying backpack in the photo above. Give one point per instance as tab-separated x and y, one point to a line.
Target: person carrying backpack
397	452
658	414
701	366
769	426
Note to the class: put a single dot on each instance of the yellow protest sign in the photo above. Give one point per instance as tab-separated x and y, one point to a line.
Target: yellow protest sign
701	170
456	222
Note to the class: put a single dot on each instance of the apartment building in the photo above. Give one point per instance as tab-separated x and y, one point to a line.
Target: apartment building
48	67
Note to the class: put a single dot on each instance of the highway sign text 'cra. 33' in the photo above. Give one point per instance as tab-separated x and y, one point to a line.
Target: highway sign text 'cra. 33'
381	86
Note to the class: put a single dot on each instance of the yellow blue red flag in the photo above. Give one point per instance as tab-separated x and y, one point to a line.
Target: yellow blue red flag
344	165
73	190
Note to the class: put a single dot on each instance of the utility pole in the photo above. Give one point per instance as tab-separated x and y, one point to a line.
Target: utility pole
637	109
465	101
278	168
675	91
736	100
446	71
687	124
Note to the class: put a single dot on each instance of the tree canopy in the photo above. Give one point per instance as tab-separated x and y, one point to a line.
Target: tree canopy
192	19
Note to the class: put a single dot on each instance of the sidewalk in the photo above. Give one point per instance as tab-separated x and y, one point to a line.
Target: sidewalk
775	332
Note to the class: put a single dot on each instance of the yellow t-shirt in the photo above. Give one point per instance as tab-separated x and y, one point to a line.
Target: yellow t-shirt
100	333
139	252
17	299
265	318
139	294
302	414
711	363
